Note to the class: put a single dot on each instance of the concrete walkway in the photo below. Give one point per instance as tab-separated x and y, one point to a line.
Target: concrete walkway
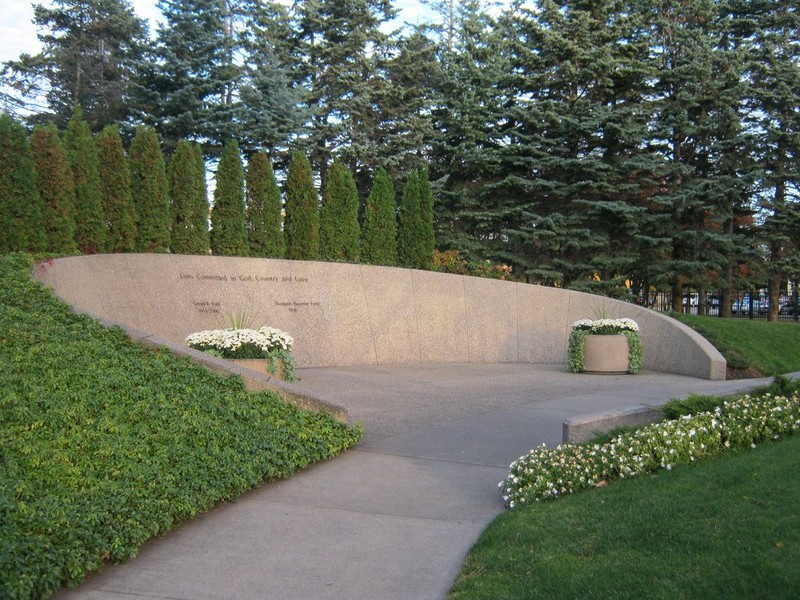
394	517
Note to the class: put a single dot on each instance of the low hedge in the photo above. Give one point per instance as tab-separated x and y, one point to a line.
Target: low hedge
105	444
738	423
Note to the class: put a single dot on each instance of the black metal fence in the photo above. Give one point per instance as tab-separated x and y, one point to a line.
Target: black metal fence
745	305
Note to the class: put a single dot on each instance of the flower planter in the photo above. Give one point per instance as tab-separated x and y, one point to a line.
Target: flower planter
258	364
606	354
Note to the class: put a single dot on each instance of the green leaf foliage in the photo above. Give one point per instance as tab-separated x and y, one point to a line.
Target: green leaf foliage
263	215
228	234
302	212
339	231
189	205
81	150
21	219
56	189
149	192
106	444
379	235
115	183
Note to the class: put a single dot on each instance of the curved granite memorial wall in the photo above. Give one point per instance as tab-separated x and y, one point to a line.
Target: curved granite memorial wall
344	314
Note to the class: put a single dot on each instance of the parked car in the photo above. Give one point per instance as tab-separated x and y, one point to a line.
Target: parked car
742	306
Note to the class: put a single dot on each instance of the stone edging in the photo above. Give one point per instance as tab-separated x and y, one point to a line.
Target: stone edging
253	380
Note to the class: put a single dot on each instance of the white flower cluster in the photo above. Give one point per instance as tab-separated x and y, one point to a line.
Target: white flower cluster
742	423
605	325
267	339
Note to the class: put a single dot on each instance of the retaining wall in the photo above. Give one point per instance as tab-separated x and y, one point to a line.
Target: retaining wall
343	314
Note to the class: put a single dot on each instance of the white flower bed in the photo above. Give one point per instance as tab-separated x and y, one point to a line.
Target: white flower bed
605	326
267	339
549	473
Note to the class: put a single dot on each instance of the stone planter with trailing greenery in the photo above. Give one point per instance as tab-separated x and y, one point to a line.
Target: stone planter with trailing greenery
604	346
271	347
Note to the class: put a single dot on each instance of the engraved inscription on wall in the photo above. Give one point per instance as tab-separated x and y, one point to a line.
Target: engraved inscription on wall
289	287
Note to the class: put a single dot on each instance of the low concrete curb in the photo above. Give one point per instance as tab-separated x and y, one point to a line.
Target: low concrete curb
584	427
253	380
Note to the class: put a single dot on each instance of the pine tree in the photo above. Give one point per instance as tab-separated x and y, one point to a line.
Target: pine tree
21	219
379	235
343	46
263	219
301	223
189	205
149	191
228	234
411	233
56	189
91	50
339	231
115	183
90	220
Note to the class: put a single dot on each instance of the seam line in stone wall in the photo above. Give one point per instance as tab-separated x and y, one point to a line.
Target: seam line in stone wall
467	319
416	317
369	314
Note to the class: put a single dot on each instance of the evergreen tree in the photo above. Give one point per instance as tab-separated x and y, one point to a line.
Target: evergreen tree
91	50
301	223
188	202
90	220
426	217
769	31
149	191
115	183
343	48
228	233
338	228
269	108
263	218
412	230
379	235
21	219
56	189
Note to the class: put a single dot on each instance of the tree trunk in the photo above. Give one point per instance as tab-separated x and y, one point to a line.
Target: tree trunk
774	296
677	297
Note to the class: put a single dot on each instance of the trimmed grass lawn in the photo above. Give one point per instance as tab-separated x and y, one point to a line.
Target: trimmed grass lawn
721	529
771	348
728	528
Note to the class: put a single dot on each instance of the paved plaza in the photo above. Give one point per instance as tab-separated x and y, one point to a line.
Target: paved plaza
393	518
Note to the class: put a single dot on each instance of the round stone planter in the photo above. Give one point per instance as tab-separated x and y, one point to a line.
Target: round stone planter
258	364
606	354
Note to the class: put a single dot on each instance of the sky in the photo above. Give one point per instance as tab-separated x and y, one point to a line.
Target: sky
18	34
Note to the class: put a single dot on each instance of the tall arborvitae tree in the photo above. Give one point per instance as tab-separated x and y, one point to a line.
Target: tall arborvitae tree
21	220
149	191
56	189
90	220
412	230
379	234
339	231
263	216
115	183
90	52
228	233
188	202
301	224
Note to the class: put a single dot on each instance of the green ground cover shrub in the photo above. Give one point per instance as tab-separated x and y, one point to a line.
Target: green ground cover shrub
105	444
